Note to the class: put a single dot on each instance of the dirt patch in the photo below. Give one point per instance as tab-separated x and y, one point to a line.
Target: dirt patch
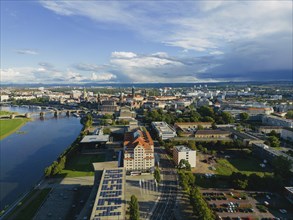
202	167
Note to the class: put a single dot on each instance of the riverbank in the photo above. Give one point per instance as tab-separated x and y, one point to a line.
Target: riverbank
9	126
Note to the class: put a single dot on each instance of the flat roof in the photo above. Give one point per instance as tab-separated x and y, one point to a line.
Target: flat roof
95	138
163	127
208	132
290	189
182	148
110	196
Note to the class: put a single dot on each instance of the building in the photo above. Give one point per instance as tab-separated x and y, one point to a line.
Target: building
269	129
138	150
109	203
186	125
287	134
211	134
277	121
259	110
182	152
268	153
163	130
289	193
94	141
109	106
4	98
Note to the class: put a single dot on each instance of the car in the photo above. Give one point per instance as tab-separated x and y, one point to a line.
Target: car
268	197
283	211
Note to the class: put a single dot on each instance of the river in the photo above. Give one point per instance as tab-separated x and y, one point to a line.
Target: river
25	154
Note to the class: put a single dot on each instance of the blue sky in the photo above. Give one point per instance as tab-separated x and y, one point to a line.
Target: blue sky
145	41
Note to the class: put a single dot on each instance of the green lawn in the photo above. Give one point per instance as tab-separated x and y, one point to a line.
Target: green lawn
9	126
81	165
246	166
6	113
28	207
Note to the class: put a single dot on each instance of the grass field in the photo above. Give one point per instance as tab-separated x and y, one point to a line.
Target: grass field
9	126
246	166
81	165
28	207
6	113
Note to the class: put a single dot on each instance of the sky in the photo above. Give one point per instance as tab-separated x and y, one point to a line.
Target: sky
145	41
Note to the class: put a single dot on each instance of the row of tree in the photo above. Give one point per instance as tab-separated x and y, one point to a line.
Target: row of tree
57	166
199	205
204	113
157	175
256	182
133	208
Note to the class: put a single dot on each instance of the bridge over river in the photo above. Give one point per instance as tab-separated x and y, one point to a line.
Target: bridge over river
56	112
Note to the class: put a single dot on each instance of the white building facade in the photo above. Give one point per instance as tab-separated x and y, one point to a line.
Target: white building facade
183	152
163	130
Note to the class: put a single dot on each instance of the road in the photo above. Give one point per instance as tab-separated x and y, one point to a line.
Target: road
169	187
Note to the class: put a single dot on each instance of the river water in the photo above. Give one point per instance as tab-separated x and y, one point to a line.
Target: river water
25	154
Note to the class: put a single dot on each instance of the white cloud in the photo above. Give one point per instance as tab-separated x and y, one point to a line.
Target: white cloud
123	54
159	67
216	52
103	77
43	75
27	51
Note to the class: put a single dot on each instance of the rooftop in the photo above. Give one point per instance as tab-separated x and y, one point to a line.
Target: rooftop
290	189
137	137
163	127
95	138
202	132
182	148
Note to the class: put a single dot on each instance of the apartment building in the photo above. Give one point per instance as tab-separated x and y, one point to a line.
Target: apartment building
182	152
138	150
163	130
287	134
277	121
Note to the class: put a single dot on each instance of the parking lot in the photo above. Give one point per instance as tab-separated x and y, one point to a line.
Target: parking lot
232	204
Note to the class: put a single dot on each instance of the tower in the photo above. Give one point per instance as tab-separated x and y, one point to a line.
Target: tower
133	92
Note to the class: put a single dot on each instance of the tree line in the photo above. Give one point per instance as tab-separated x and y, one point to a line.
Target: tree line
202	114
200	208
57	166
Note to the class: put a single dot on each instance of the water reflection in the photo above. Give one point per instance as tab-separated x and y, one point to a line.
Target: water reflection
26	153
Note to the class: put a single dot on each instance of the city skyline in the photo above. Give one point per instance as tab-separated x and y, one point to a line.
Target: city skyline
140	42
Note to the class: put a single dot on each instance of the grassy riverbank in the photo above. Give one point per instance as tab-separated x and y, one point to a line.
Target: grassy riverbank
81	165
9	126
6	113
28	207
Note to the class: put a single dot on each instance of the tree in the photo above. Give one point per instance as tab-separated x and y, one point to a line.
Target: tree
208	119
206	111
157	175
191	145
200	127
244	116
274	133
48	171
227	117
274	141
289	114
106	131
184	164
133	208
282	166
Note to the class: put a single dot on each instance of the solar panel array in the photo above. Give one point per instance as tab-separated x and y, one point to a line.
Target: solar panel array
110	195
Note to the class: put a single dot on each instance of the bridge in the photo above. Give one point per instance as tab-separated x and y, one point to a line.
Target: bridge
56	112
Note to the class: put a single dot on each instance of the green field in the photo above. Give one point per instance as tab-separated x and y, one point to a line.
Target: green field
9	126
6	113
81	165
246	166
28	207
